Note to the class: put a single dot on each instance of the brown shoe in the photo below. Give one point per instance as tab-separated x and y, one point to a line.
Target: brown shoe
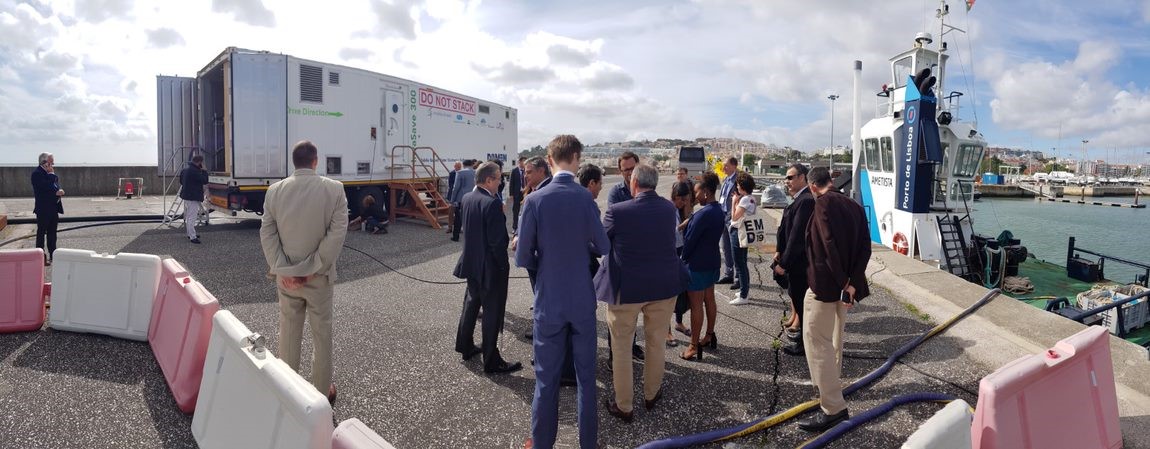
650	403
331	394
613	409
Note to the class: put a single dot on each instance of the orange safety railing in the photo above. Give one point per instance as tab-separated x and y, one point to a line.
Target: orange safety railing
420	168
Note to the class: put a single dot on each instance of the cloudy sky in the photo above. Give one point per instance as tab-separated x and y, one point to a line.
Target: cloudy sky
77	77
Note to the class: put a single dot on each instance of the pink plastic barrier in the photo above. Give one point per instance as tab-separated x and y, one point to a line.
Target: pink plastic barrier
179	331
21	290
354	434
1063	398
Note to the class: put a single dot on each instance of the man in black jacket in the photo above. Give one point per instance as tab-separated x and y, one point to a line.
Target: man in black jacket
838	248
192	181
791	258
46	188
517	186
485	265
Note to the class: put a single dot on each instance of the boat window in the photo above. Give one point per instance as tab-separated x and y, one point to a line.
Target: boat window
871	152
887	154
967	159
902	69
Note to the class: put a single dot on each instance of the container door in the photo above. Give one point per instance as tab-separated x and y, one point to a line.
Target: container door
259	115
176	122
394	119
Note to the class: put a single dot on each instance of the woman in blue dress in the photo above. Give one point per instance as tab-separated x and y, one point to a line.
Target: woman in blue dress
701	252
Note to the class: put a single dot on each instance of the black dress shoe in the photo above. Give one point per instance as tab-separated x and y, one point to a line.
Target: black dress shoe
822	421
796	349
726	280
471	352
613	409
650	403
637	352
503	368
736	286
563	382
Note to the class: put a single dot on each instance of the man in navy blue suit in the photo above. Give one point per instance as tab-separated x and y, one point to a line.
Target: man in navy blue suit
46	187
558	234
643	275
464	184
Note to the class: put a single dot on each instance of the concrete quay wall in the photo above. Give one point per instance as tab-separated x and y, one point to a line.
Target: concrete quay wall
15	181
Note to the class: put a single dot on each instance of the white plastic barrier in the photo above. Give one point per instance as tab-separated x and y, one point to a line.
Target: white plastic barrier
103	294
947	429
251	399
354	434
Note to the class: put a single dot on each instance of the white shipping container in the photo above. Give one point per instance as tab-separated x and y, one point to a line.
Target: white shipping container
246	109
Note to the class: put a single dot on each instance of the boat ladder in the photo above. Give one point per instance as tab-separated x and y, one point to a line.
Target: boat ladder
954	249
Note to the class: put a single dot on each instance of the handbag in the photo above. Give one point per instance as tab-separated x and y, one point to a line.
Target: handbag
752	231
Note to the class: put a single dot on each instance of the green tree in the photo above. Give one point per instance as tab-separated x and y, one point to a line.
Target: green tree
660	157
748	160
990	165
1053	166
795	155
536	150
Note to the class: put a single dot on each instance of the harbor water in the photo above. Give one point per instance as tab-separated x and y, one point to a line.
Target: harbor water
1045	228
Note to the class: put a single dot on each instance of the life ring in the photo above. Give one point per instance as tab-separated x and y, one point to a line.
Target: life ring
900	244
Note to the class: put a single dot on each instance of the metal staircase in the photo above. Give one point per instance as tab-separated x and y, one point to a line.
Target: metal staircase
954	247
421	198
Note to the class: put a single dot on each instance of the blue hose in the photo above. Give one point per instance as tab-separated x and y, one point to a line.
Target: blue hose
869	415
731	432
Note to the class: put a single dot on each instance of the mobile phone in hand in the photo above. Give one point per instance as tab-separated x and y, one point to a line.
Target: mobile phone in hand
845	297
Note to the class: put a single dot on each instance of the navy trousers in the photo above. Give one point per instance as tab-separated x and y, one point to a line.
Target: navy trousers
551	343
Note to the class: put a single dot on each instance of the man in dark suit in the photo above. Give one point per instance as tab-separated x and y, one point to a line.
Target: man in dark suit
485	265
642	275
48	207
791	256
838	248
464	184
516	192
559	233
451	179
731	168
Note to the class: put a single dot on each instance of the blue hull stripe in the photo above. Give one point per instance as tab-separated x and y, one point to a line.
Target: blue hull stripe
868	205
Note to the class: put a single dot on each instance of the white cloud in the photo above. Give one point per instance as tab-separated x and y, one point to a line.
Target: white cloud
96	11
396	18
164	38
600	69
1073	98
252	12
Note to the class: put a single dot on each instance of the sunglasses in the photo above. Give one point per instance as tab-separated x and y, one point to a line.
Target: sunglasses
790	177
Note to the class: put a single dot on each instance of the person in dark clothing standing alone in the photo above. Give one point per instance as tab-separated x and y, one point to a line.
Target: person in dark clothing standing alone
48	207
791	259
192	181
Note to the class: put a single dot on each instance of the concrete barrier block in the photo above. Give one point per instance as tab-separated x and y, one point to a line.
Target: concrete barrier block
21	290
103	294
249	398
179	331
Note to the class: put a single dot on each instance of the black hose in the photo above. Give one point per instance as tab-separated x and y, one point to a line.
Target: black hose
88	219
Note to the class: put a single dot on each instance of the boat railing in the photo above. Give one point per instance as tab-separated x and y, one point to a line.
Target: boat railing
1121	319
1072	252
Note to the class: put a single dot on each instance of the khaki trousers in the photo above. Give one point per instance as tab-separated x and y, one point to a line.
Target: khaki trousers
314	299
823	324
621	320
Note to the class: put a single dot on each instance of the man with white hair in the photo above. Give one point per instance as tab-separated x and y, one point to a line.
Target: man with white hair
46	188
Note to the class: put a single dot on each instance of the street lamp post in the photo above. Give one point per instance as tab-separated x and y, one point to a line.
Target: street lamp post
1082	188
832	98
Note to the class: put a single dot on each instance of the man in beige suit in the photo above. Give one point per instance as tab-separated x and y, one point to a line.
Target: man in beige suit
304	224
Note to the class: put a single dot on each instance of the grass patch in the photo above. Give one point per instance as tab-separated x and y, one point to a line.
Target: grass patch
776	344
917	313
